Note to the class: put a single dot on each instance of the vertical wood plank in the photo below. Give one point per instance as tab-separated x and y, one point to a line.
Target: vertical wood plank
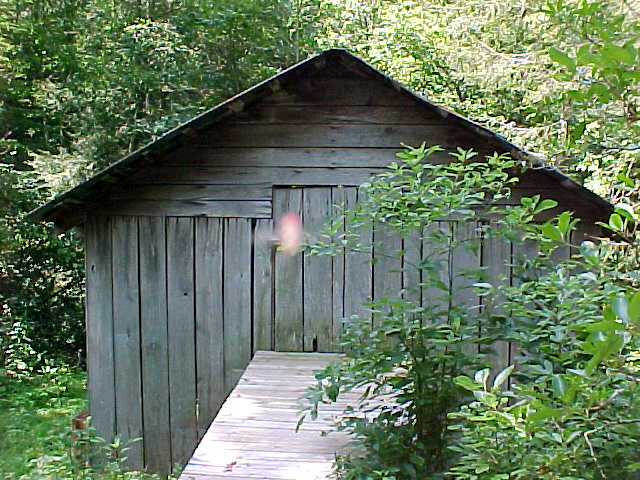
99	309
237	299
126	326
339	199
263	256
357	269
288	280
181	333
209	324
317	281
387	266
521	250
435	250
411	274
154	344
464	260
496	259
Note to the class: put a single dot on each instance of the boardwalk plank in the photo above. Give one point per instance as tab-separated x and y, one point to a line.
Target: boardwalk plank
253	437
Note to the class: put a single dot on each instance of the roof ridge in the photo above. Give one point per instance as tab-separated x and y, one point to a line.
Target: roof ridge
173	138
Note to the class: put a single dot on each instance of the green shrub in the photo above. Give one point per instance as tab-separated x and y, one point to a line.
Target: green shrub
572	411
41	285
412	353
566	410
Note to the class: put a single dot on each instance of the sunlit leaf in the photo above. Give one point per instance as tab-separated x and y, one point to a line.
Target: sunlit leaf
562	58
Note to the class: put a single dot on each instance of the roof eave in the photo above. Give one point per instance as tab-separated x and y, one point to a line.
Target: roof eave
173	138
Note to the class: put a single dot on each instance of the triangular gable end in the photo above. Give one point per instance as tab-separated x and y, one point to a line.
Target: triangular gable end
339	89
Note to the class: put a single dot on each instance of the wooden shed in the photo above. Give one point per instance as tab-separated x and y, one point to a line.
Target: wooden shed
183	282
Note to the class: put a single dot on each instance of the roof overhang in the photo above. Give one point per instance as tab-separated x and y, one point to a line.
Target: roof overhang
65	210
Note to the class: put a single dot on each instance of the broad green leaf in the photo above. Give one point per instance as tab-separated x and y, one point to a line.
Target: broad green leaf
614	53
606	325
542	412
616	223
600	91
563	59
526	201
546	204
551	232
577	131
467	383
483	288
489	399
564	222
576	95
332	391
572	437
584	56
625	210
601	346
626	180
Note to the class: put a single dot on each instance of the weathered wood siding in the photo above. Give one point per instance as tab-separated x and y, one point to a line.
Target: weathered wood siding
184	283
169	326
177	306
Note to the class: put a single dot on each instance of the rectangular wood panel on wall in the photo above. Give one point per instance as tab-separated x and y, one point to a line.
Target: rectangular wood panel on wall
339	203
99	305
521	251
436	244
342	90
337	136
126	326
288	280
277	175
210	387
154	344
181	335
411	272
337	114
496	259
387	266
188	200
318	270
465	258
263	258
357	267
237	298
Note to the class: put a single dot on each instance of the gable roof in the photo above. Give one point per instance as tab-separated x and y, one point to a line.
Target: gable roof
63	209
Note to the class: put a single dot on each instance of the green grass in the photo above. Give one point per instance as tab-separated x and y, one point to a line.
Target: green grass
35	430
35	413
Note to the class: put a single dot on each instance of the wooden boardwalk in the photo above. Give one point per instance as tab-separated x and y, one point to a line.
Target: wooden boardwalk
253	436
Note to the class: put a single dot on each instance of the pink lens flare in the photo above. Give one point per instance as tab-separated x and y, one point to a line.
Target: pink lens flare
289	233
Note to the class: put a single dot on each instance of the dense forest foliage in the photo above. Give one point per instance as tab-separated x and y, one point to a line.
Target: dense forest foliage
82	83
